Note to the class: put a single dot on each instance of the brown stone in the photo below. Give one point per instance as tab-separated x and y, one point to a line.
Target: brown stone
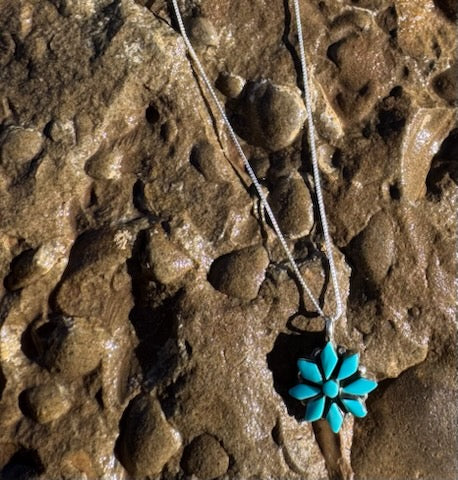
205	458
240	273
47	402
272	115
292	204
147	441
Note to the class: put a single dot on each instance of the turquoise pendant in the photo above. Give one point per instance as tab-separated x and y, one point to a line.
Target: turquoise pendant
332	384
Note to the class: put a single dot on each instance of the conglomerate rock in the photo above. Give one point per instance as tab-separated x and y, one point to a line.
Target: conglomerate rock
148	324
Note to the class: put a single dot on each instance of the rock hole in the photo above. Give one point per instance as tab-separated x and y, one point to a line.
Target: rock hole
169	399
437	49
449	8
139	198
367	130
396	92
194	158
444	167
165	224
405	72
23	465
47	129
276	434
99	398
28	346
395	191
2	382
152	114
165	132
364	90
336	159
188	347
347	173
92	198
24	405
333	52
390	122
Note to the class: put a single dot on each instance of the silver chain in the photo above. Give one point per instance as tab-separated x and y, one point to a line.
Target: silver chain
329	320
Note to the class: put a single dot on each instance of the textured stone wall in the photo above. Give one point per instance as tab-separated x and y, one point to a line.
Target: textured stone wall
148	323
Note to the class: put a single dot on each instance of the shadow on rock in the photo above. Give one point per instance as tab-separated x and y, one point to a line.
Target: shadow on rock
282	362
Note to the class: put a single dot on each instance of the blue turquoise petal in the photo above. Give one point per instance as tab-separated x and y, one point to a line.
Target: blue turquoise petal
309	371
355	407
315	410
334	417
361	386
328	358
348	367
302	391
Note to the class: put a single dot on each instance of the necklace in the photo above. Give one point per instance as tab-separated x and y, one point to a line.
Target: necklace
331	382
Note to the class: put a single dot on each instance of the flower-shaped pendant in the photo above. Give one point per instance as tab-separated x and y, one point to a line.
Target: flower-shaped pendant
333	385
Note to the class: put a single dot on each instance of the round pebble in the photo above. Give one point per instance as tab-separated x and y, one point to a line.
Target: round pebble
147	440
47	402
168	263
202	32
271	115
292	205
18	147
230	85
378	247
240	274
206	159
72	346
32	264
205	458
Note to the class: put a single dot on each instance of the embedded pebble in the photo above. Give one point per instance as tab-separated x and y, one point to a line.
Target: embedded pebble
446	85
106	165
147	440
205	158
271	115
63	131
230	85
47	402
292	205
72	346
33	264
240	274
202	32
205	458
377	247
19	146
168	262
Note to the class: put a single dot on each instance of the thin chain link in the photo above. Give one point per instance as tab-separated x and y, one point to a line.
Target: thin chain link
249	169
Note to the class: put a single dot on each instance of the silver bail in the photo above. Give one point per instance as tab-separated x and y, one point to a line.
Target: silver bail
329	329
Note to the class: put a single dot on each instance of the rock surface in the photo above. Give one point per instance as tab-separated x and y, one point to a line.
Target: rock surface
148	324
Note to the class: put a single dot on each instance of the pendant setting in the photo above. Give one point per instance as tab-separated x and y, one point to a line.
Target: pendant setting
332	385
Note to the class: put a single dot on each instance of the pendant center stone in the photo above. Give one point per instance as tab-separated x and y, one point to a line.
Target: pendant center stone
331	389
